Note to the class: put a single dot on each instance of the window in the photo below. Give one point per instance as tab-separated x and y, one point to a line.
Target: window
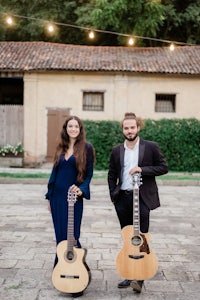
93	101
11	91
165	103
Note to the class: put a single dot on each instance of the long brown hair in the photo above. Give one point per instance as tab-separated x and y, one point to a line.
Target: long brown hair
79	147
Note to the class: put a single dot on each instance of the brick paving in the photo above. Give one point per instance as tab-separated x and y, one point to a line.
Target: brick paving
27	245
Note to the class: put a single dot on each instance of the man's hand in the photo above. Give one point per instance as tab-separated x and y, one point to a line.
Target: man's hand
135	170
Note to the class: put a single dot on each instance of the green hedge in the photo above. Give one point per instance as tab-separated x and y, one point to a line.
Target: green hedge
179	140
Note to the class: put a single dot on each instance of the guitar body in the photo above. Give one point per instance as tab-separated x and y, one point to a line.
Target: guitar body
136	261
71	274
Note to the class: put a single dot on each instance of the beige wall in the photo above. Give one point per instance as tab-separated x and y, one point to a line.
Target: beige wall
125	92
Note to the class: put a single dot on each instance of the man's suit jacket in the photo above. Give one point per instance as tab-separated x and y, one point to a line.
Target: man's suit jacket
152	163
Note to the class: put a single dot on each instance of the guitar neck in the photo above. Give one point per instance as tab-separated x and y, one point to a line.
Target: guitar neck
70	229
136	211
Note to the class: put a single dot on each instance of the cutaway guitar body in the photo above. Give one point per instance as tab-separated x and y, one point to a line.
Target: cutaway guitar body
136	261
71	274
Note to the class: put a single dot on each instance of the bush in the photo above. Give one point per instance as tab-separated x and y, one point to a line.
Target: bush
179	139
103	135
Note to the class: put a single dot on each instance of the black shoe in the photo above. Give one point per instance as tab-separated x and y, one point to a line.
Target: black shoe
137	285
76	295
124	284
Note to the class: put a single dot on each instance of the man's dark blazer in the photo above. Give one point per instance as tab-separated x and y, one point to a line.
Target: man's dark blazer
152	163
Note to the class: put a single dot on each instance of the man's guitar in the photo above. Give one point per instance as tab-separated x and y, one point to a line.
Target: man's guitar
71	274
136	261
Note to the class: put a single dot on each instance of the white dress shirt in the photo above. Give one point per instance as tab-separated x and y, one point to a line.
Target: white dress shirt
130	161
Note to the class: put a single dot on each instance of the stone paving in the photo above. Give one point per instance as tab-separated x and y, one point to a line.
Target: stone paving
27	245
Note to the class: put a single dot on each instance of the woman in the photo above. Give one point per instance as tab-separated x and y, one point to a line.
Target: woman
73	167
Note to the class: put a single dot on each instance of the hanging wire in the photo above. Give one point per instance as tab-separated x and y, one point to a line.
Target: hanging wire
92	31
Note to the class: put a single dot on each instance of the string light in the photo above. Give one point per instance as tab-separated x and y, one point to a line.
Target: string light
9	20
172	47
131	40
91	34
50	28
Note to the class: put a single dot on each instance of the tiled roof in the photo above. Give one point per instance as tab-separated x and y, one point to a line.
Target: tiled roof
29	56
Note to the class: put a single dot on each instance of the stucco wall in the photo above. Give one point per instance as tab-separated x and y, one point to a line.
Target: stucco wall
125	92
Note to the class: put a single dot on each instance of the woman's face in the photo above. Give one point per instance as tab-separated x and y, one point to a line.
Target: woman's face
73	129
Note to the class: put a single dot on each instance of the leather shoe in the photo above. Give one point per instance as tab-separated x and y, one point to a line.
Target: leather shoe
76	295
124	284
137	285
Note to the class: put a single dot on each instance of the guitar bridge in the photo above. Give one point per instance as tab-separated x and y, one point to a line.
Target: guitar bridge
136	256
69	276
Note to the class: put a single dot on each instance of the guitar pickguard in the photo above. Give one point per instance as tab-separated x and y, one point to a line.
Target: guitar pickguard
140	242
144	247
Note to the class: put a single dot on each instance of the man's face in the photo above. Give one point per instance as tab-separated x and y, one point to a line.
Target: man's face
130	129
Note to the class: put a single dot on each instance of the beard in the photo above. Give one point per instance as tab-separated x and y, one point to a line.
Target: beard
131	139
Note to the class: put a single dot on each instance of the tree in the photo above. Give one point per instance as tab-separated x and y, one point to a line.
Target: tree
176	20
137	17
31	29
182	19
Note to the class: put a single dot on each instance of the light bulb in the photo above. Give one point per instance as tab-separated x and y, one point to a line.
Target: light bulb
91	34
50	28
9	20
131	41
172	47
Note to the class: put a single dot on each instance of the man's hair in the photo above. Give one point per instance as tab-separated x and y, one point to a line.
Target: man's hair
132	116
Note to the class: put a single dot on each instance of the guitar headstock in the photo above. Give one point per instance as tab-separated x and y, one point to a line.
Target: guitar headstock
72	197
137	179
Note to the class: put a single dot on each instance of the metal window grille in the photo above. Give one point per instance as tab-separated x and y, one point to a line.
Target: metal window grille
165	103
93	101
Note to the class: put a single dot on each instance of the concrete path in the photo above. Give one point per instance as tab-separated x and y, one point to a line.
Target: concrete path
27	245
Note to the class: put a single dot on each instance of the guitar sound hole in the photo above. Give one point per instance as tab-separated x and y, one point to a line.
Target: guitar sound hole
136	240
70	255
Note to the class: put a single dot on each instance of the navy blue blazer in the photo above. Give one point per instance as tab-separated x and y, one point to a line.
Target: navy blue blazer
152	163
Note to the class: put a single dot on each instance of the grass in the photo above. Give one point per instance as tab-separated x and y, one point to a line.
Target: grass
24	175
103	175
181	176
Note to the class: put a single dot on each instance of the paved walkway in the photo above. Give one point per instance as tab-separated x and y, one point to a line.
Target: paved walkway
27	245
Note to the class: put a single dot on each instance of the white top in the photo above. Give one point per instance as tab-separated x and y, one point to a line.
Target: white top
130	161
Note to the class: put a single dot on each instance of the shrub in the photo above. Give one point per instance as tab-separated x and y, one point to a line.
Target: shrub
179	140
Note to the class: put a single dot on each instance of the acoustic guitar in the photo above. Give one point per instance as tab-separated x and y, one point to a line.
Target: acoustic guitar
136	261
71	274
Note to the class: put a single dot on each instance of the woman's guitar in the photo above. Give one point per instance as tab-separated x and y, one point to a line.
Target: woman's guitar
136	261
71	274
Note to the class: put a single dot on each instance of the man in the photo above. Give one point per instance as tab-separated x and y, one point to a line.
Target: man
135	155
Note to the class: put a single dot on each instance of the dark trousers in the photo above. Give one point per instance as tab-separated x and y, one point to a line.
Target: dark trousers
124	210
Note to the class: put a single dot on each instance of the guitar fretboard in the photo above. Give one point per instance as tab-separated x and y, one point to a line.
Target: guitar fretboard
136	211
70	230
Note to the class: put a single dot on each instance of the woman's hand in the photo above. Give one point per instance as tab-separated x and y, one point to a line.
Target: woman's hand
77	190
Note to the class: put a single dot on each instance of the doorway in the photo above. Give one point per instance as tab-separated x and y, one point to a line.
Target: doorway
56	118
